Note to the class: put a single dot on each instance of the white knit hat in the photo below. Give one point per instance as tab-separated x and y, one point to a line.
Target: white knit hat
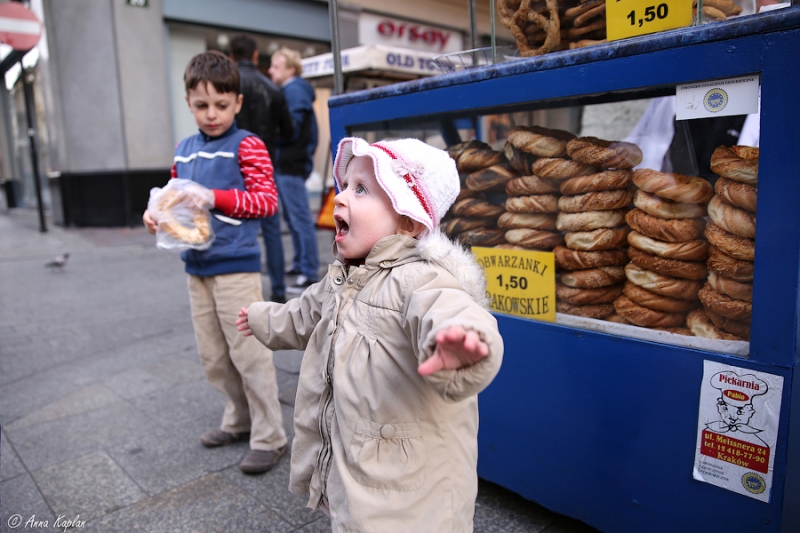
422	181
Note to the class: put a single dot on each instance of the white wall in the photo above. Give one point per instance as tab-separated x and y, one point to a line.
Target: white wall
142	64
183	46
83	47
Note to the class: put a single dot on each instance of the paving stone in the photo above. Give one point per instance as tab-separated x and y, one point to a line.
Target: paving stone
92	397
211	503
171	406
135	382
87	487
21	503
322	525
499	511
288	360
10	465
71	437
271	489
179	371
165	459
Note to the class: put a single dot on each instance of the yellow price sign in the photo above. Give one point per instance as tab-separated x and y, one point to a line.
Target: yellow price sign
520	282
629	18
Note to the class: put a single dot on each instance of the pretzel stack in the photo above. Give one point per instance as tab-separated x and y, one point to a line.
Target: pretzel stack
535	24
717	10
584	24
667	250
595	198
542	26
472	219
532	203
727	296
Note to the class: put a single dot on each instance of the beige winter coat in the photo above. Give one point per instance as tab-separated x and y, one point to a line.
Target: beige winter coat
391	451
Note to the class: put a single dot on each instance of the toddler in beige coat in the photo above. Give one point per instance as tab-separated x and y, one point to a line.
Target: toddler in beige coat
398	343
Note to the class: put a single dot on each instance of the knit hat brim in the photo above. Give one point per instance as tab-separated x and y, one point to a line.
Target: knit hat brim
421	181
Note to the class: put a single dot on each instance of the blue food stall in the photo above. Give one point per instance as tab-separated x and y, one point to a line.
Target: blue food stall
607	426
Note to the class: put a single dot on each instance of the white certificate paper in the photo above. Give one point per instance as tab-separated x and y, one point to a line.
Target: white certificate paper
737	429
718	98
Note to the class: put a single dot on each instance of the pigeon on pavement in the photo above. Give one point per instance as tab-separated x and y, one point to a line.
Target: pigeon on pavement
58	261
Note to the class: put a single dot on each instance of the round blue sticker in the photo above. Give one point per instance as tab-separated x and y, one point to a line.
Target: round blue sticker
754	483
715	100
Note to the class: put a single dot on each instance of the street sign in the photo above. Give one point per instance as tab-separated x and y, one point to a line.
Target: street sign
19	26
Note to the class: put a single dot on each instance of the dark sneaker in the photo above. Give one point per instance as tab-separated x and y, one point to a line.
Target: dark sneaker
280	298
217	437
260	461
292	272
300	285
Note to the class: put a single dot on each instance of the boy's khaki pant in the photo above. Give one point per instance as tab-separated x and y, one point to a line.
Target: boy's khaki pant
237	366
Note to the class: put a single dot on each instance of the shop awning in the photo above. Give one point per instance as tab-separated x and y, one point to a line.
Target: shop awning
374	57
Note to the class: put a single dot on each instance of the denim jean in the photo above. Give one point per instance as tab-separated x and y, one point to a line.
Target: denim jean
271	230
294	204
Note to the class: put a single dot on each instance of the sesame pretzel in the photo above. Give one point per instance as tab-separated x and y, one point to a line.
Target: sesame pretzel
517	16
169	223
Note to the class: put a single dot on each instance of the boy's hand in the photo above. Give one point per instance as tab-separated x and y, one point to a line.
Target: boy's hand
242	324
149	223
455	348
199	197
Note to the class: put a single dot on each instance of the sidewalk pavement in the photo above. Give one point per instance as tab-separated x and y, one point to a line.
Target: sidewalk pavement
103	400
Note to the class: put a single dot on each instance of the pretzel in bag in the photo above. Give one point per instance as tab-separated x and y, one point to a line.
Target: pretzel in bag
182	211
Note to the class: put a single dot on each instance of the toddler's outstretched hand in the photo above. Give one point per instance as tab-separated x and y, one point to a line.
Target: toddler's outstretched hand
242	324
455	348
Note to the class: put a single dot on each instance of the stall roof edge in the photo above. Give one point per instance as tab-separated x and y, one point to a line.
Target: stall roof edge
739	27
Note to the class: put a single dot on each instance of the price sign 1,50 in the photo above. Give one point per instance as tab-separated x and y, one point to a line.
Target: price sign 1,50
519	282
628	18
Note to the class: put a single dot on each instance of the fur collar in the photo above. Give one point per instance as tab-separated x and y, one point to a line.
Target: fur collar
438	249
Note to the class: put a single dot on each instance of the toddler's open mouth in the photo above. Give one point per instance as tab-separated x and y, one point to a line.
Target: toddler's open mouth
341	226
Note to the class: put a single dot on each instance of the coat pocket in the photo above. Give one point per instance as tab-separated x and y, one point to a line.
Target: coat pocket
387	456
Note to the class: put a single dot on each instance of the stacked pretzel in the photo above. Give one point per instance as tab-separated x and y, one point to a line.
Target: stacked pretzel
717	10
532	203
584	24
473	218
595	197
535	24
667	249
542	26
728	295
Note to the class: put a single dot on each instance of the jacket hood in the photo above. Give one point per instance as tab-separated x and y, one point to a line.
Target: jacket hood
435	248
438	249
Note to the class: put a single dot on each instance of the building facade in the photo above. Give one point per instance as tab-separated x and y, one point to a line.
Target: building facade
108	85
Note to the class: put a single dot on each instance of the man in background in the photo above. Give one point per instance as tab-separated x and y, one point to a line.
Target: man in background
265	113
294	163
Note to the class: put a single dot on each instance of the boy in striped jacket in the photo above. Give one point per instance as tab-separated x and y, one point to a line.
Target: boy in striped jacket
235	165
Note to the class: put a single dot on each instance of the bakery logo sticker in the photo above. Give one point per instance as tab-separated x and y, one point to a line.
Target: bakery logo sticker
737	429
754	483
715	100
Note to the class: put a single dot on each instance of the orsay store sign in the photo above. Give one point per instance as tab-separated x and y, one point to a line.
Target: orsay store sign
380	29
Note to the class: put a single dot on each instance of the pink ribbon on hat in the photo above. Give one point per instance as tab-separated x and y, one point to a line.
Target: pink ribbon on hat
410	173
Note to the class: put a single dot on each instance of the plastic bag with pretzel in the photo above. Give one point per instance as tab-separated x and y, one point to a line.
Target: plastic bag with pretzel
181	209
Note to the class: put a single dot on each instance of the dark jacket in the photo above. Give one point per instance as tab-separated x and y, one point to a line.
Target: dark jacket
295	154
264	110
214	163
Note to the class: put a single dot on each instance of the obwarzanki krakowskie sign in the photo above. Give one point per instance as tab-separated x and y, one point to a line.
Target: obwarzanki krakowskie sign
738	429
519	282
